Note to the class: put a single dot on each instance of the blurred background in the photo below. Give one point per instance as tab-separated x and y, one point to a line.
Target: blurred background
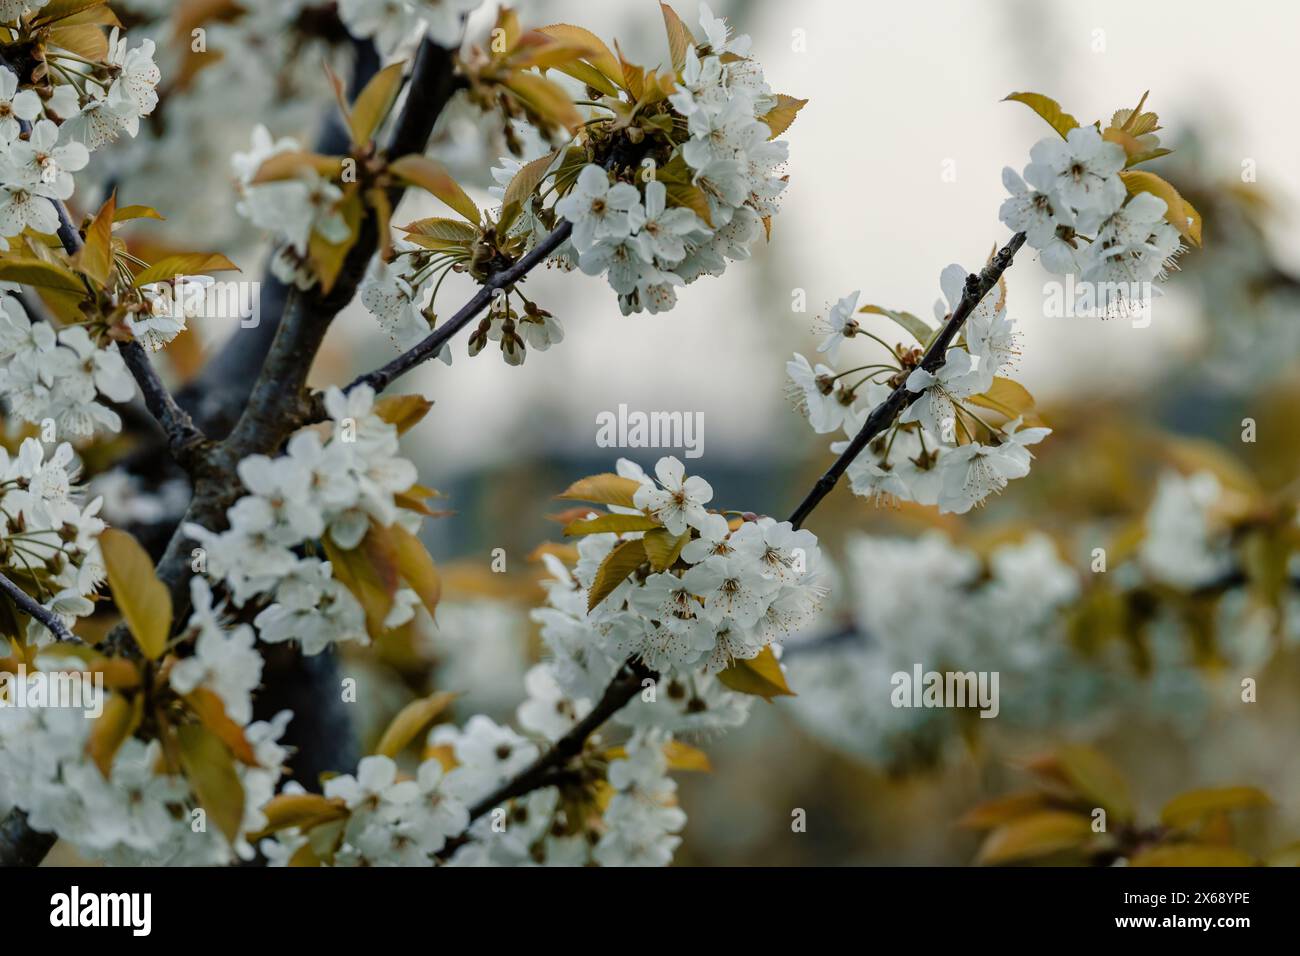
894	173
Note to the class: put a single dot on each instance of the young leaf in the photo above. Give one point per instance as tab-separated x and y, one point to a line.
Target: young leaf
548	100
528	178
184	264
375	101
301	810
127	213
1194	805
662	547
1048	109
1178	211
626	557
761	677
679	37
96	257
144	601
1097	779
114	726
431	176
327	257
685	757
994	813
211	772
911	324
603	489
411	721
453	232
610	523
41	275
369	571
1036	835
416	567
779	117
601	57
210	710
403	411
1007	397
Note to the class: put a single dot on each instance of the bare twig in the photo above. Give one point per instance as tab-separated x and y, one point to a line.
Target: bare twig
30	606
184	439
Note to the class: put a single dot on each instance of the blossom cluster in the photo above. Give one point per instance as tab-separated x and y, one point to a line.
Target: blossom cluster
943	450
395	24
645	245
335	488
48	535
1075	209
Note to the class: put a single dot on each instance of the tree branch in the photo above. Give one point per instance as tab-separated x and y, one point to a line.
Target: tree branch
184	439
30	606
628	681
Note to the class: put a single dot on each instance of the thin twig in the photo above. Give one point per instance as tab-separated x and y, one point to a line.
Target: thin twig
30	606
183	437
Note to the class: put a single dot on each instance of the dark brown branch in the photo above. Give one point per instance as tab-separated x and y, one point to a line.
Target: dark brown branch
30	606
884	414
628	681
184	439
20	845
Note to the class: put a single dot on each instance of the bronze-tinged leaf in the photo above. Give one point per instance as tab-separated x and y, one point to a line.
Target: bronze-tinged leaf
1097	779
1007	397
604	489
113	728
211	772
529	177
1192	854
779	117
369	571
41	275
374	102
411	721
119	673
431	176
86	40
626	557
1192	807
679	37
290	165
208	707
761	677
683	756
447	232
327	257
1037	835
601	57
144	601
184	264
301	810
96	256
1179	213
416	566
127	213
610	523
1048	109
548	100
914	326
403	412
689	197
57	10
994	813
663	547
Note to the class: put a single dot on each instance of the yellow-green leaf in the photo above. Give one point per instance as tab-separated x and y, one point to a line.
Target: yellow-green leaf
301	810
762	676
410	721
663	547
1179	213
994	813
1048	109
679	37
1192	854
403	411
1097	779
144	601
41	275
210	710
416	566
184	264
548	100
451	232
682	756
96	256
916	327
113	728
626	557
689	197
601	57
127	213
211	772
369	571
1194	805
526	181
603	489
289	165
431	176
1007	397
609	523
1037	835
374	102
779	117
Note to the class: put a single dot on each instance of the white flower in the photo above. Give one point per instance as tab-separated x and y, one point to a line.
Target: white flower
548	710
663	232
1081	171
840	325
680	501
941	391
15	106
1038	217
599	210
138	74
973	472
